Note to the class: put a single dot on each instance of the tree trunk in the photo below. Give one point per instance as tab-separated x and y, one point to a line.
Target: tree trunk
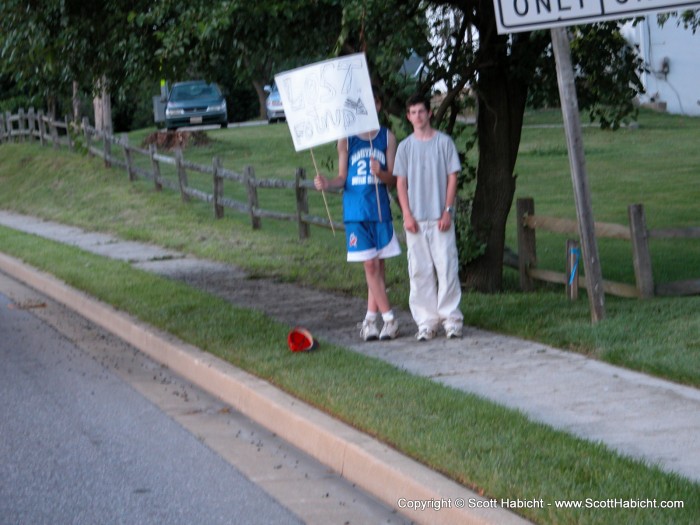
51	106
76	102
501	102
262	98
103	107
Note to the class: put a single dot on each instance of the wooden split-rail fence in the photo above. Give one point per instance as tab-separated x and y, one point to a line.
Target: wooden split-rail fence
30	125
25	126
35	125
636	232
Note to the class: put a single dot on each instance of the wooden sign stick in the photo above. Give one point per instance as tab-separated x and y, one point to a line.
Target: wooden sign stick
322	192
376	179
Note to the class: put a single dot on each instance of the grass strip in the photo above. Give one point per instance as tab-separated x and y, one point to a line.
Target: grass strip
658	336
494	450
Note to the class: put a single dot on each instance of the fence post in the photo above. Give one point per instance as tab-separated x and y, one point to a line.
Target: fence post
155	165
181	175
641	257
573	257
42	128
54	132
107	148
31	123
86	131
127	157
23	138
218	189
252	196
2	128
302	203
9	126
527	252
69	135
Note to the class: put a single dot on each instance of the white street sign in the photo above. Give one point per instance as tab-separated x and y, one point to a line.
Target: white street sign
328	100
513	16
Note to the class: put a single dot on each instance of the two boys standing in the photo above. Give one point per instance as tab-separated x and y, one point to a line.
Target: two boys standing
424	168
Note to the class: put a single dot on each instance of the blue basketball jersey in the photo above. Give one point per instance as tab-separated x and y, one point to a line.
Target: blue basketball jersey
360	195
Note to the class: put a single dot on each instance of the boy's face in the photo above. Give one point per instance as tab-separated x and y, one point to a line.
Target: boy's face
418	115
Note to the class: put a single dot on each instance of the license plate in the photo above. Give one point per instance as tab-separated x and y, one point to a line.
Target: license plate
195	120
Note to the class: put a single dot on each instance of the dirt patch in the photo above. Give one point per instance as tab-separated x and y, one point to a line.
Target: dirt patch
328	316
287	302
170	140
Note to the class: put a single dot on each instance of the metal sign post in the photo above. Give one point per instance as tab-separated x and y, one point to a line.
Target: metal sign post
579	178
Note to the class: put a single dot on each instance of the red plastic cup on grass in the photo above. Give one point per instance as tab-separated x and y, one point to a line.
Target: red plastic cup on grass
300	340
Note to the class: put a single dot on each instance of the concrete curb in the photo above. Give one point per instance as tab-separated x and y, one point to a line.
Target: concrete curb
391	477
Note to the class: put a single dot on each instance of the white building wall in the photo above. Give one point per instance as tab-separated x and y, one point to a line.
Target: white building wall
678	84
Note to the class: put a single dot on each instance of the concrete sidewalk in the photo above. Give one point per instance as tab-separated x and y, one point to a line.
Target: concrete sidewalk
635	414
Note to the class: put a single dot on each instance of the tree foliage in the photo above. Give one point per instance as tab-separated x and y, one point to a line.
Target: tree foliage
45	45
30	50
248	40
690	19
606	76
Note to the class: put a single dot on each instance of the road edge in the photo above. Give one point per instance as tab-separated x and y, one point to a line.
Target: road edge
375	467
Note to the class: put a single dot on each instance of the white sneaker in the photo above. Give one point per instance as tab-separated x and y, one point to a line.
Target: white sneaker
425	334
390	330
453	332
369	331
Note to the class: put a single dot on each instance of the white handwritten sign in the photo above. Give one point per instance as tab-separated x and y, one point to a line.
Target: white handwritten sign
328	100
513	16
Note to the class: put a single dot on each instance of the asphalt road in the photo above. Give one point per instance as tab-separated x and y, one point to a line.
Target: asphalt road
80	446
92	431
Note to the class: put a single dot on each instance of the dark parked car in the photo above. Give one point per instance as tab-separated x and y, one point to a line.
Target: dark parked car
273	104
193	103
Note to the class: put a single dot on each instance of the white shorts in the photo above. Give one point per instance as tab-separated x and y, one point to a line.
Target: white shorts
368	240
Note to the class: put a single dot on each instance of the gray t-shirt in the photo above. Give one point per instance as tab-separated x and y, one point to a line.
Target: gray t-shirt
426	164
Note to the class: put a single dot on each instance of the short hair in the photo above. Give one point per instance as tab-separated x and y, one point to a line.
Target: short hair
416	99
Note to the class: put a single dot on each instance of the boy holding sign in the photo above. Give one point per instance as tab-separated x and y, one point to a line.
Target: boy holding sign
365	166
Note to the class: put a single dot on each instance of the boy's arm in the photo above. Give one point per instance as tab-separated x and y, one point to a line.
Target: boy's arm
450	197
409	223
323	183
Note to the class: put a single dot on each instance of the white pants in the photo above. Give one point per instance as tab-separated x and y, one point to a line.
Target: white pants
433	270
